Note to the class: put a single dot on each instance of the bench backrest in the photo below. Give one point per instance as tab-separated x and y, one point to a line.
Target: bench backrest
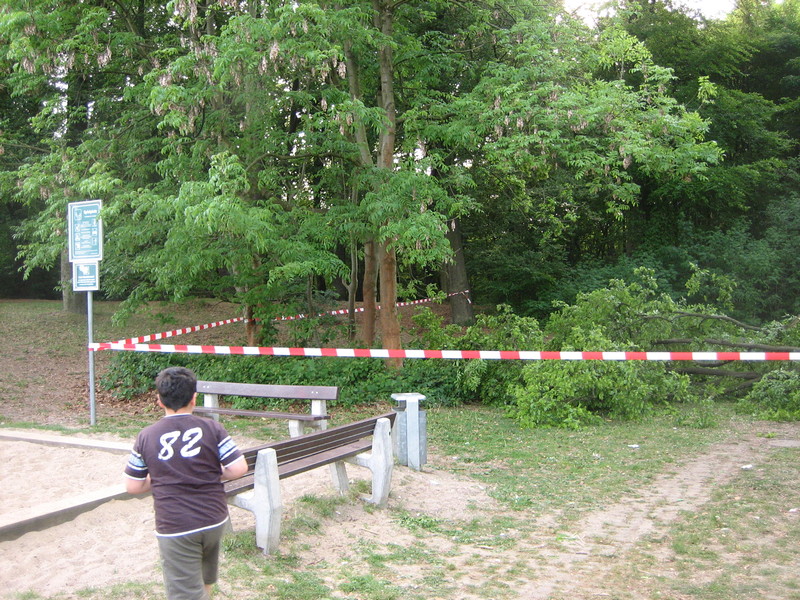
263	414
297	455
290	392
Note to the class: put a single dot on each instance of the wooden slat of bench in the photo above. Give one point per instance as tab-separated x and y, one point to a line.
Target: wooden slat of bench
301	465
289	392
319	441
306	452
323	458
211	410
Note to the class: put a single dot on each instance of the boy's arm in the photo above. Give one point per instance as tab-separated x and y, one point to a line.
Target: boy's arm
137	486
137	477
236	469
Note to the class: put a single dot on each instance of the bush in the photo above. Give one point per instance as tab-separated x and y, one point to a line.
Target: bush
133	373
571	394
362	380
776	397
481	381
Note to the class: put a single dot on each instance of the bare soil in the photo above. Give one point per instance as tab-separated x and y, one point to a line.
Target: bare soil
114	544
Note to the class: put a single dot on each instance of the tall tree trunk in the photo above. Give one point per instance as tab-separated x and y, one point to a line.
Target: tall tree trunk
390	323
352	288
250	326
390	318
369	292
454	279
369	285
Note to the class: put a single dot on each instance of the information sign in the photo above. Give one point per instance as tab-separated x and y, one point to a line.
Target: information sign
85	276
85	231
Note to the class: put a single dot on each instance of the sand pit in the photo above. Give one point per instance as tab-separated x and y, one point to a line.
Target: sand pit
114	543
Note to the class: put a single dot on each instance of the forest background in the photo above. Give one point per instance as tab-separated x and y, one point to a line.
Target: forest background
630	184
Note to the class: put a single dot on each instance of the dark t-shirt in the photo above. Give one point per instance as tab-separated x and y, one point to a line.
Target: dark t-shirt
184	456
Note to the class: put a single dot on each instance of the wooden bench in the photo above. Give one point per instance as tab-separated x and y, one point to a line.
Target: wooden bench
366	443
319	396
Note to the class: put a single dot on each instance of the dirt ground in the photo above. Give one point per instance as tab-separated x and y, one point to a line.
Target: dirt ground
114	544
95	549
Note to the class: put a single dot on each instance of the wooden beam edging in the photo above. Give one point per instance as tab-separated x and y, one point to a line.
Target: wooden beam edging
16	524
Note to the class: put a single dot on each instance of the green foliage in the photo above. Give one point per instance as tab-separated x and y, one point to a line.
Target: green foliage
571	394
776	397
484	381
133	373
621	317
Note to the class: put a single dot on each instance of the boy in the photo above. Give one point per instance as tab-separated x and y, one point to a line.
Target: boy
183	459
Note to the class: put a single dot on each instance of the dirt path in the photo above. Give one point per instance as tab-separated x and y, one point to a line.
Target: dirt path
581	564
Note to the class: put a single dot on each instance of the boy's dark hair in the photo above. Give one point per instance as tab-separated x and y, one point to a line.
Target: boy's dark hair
176	386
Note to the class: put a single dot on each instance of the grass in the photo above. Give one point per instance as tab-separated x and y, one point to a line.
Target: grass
740	544
574	471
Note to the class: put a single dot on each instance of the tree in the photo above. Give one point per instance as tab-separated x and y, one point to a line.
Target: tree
74	61
738	74
240	147
573	132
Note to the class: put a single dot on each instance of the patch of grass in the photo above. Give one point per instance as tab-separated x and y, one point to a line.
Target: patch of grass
565	471
367	587
323	506
480	532
302	586
416	553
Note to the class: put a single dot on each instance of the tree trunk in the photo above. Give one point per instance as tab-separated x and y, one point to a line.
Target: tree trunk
250	326
72	302
368	291
455	281
352	287
390	323
390	319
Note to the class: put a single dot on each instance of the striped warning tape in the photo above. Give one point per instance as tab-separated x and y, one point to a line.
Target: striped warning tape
168	334
345	311
447	354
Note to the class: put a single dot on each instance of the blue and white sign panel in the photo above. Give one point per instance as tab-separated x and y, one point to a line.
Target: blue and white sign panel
85	276
85	231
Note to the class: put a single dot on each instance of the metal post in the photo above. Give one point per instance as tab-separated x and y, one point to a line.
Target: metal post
89	311
411	437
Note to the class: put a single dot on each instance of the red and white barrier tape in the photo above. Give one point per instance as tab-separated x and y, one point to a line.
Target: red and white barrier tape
345	311
168	334
448	354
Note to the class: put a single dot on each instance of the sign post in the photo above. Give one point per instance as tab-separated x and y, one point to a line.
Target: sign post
85	253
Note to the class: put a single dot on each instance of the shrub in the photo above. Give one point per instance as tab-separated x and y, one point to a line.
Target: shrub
133	373
776	397
482	381
571	394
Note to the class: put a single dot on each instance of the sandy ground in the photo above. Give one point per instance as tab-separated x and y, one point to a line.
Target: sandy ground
114	543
